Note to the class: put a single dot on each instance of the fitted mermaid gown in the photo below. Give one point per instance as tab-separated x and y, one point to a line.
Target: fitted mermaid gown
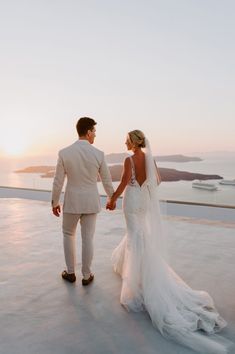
149	283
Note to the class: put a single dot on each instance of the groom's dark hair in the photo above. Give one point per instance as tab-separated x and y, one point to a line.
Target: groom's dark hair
84	124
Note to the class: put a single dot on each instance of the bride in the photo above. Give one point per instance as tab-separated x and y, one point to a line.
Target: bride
148	282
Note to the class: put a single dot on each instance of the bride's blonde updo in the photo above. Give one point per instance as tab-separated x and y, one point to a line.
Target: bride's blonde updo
137	138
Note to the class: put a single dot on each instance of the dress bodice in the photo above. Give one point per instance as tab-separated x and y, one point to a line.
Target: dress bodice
135	196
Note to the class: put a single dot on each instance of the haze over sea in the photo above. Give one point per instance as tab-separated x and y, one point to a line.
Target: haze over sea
164	67
221	163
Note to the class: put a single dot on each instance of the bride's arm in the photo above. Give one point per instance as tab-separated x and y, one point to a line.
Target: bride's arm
126	175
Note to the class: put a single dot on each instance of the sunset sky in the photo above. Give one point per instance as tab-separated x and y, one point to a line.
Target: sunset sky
165	67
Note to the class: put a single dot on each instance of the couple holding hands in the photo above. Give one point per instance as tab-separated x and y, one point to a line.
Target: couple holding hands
148	282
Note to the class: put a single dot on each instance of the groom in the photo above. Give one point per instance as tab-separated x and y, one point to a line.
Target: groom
81	163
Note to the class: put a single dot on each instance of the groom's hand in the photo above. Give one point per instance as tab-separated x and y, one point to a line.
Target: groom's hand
56	210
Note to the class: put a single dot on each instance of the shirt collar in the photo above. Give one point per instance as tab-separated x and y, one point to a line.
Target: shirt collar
80	141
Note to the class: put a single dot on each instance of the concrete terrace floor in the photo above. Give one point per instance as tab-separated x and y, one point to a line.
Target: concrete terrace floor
42	314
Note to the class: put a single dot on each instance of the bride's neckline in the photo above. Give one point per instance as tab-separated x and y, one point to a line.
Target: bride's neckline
141	185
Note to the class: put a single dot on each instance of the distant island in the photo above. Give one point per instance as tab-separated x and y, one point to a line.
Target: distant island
177	158
167	174
120	157
37	169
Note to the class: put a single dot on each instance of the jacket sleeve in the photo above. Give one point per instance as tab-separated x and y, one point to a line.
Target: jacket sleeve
105	177
58	182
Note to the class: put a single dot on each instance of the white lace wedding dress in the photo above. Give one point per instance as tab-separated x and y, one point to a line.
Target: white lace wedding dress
149	283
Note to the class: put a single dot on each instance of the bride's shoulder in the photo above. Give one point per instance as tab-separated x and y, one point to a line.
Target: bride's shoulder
127	160
127	163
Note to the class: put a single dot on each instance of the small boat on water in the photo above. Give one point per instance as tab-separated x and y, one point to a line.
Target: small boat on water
228	182
204	185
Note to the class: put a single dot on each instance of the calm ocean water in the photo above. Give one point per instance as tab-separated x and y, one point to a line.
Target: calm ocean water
221	164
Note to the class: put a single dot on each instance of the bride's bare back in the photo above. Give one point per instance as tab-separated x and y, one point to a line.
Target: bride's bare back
140	168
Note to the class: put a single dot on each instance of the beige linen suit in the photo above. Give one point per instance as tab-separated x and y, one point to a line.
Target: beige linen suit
81	163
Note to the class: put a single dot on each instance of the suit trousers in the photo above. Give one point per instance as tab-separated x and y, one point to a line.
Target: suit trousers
87	222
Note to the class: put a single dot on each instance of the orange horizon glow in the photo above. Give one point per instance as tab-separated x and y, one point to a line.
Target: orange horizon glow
19	148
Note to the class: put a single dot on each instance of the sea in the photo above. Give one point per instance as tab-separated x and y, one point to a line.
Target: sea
219	163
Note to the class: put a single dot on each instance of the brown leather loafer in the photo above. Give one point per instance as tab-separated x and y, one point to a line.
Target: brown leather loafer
88	281
69	277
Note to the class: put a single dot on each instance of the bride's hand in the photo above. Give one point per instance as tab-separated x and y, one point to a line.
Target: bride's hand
111	204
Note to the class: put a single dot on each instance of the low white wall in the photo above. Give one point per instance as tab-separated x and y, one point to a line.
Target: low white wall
175	208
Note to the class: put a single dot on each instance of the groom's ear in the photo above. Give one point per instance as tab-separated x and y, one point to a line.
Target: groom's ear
89	132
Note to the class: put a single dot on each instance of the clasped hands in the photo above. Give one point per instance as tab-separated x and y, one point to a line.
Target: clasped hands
111	204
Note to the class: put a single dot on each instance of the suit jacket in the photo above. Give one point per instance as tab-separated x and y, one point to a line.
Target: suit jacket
81	163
